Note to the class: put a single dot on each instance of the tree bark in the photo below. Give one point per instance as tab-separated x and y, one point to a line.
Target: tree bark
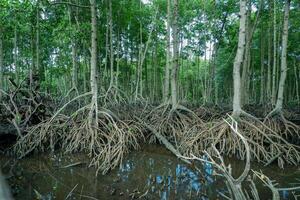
139	65
118	60
37	39
1	64
247	56
15	57
106	49
262	69
74	65
111	48
238	61
74	53
168	52
296	82
269	66
274	54
176	56
93	115
283	72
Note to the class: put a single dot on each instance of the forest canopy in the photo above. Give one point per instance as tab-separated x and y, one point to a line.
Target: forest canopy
52	37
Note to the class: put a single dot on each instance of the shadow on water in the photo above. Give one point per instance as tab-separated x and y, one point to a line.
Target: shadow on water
152	173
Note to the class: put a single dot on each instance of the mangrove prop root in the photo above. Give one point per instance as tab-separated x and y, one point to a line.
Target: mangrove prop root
277	122
179	129
234	185
171	122
265	144
107	144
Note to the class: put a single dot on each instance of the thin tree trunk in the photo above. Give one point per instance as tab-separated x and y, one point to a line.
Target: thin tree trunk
1	64
205	75
296	81
238	61
32	67
111	50
16	55
106	49
74	66
269	66
277	74
283	72
250	28
247	56
262	70
142	56
167	68
176	56
274	54
37	38
139	65
214	83
74	53
93	115
118	61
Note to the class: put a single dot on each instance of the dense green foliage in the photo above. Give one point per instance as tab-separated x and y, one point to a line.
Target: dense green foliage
208	32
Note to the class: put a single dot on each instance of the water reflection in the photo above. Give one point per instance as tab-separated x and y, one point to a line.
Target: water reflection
169	178
154	172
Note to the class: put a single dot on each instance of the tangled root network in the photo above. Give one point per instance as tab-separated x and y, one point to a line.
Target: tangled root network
266	145
107	144
109	141
171	123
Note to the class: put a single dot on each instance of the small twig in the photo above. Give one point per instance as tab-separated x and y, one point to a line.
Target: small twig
71	165
70	193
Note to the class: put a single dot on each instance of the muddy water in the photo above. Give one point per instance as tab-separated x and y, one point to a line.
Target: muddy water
152	173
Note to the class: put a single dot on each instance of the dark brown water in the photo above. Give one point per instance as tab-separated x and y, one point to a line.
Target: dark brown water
152	173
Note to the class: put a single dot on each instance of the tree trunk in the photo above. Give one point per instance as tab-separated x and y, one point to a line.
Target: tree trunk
37	39
269	66
167	68
296	82
238	61
274	54
118	60
1	64
74	53
93	115
139	65
15	57
283	72
111	50
74	66
262	70
32	67
176	56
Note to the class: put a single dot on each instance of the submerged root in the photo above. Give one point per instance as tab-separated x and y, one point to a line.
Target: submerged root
265	144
